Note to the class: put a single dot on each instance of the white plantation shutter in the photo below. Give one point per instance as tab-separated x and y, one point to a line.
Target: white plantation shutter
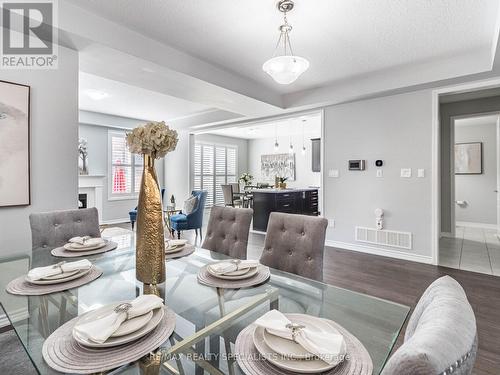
211	166
125	168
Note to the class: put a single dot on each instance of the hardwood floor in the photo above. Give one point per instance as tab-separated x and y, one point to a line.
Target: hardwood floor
404	282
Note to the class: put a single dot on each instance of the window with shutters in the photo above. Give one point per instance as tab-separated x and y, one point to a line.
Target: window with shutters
125	168
214	165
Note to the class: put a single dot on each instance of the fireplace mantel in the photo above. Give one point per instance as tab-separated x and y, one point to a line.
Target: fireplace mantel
92	185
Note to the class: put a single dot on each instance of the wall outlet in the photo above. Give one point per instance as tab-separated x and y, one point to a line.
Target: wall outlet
421	173
405	172
333	173
380	173
331	223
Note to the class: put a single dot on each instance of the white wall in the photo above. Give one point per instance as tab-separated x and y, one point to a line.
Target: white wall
177	168
396	129
54	155
304	176
478	190
97	139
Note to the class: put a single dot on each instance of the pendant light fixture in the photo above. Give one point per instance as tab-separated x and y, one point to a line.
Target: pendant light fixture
285	68
303	146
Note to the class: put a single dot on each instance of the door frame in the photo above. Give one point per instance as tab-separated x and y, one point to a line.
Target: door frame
436	149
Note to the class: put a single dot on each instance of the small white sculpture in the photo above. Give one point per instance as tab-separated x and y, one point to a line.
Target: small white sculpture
379	218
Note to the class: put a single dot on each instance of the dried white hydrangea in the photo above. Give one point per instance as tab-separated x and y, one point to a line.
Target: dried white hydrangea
154	138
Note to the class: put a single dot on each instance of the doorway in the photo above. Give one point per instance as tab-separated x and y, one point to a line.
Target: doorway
472	243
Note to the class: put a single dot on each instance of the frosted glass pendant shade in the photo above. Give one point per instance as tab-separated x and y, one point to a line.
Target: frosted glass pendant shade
285	69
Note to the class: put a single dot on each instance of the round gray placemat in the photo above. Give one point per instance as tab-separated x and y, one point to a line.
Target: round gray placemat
187	250
63	253
22	287
62	353
204	277
357	361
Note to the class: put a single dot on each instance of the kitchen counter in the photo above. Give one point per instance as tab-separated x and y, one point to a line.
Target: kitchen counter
291	201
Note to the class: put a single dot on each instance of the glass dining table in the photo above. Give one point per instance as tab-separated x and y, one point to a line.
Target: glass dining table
208	319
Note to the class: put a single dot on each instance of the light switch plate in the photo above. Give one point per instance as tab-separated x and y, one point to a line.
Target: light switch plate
405	172
331	223
333	173
380	173
421	173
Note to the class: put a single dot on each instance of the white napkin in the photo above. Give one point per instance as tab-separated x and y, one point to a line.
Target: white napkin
227	267
85	241
101	329
326	346
42	272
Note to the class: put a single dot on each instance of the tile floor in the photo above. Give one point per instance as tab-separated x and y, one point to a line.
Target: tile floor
472	249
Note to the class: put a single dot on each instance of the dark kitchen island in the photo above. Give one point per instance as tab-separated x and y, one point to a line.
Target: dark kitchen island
291	201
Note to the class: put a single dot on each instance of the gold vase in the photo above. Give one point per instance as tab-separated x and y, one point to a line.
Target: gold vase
150	243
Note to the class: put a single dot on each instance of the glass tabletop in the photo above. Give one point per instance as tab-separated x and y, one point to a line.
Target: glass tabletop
208	319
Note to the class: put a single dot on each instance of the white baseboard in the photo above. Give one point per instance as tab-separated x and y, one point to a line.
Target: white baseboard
475	225
14	316
380	251
115	221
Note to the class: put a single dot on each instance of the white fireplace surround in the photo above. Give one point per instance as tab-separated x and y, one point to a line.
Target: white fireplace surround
93	186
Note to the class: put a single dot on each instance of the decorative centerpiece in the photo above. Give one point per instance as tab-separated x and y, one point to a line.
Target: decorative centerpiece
281	182
153	141
246	178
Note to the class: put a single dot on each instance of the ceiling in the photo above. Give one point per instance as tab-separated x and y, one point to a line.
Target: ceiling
342	39
120	99
281	128
477	120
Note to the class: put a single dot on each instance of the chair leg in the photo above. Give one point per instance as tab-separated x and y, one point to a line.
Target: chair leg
132	222
178	234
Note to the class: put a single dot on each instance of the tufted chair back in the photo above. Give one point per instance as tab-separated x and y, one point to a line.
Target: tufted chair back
295	243
227	231
441	336
53	229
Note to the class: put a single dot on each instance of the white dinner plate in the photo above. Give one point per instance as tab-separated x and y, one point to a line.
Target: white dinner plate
115	341
290	348
173	249
249	272
280	359
132	325
61	275
69	247
74	276
177	242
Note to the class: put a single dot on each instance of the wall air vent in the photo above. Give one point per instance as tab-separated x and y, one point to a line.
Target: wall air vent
402	240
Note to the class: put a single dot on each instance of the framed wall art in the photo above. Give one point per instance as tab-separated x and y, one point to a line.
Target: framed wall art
281	165
469	158
14	144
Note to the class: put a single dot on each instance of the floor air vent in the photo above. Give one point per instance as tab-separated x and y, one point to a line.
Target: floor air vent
390	238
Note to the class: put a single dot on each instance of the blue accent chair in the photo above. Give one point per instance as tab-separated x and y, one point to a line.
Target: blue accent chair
133	213
192	221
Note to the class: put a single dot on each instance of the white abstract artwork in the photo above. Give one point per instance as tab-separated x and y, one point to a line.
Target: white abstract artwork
14	144
282	165
469	158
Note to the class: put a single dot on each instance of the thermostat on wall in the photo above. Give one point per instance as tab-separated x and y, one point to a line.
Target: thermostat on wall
356	165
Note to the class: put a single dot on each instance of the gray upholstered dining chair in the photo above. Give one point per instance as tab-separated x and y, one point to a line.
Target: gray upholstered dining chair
227	231
441	336
295	243
53	229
